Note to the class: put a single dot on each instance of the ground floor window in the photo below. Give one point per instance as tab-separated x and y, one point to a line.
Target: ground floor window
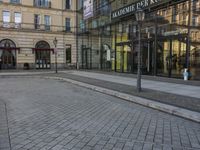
171	57
43	59
68	54
86	54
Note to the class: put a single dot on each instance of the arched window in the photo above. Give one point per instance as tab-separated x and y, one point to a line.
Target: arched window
42	45
6	43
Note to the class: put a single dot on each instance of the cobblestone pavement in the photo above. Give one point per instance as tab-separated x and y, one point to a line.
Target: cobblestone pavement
181	101
48	114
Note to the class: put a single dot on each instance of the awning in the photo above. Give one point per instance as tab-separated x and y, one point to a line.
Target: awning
10	48
42	49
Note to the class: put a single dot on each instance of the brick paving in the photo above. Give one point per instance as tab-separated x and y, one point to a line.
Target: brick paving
186	102
47	114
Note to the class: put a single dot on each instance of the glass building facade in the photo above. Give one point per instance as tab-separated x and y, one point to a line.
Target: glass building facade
170	38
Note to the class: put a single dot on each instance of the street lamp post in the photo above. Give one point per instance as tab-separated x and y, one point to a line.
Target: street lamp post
139	18
55	41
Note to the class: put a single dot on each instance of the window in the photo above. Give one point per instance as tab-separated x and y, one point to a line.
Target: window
194	4
82	25
195	20
174	14
42	3
80	4
120	26
6	18
104	7
68	54
37	21
18	19
185	19
67	24
68	4
15	1
47	22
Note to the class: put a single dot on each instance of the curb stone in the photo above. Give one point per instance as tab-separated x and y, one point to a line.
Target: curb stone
184	113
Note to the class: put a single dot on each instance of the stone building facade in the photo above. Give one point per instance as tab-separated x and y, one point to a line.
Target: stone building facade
28	29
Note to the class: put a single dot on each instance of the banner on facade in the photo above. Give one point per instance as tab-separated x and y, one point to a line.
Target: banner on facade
88	9
130	9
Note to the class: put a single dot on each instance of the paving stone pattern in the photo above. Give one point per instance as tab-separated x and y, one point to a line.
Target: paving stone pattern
163	97
48	114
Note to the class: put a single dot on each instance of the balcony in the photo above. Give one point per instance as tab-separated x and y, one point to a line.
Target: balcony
11	25
42	3
31	27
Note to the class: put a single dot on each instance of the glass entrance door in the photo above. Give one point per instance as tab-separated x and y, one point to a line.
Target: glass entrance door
42	55
123	58
146	57
86	58
171	57
8	60
7	54
43	59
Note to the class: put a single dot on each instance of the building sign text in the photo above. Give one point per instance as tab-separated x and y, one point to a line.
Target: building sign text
127	10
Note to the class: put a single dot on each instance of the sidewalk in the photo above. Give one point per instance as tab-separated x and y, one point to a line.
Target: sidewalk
172	88
149	77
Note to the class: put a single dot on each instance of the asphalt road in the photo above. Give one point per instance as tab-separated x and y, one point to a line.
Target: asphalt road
49	114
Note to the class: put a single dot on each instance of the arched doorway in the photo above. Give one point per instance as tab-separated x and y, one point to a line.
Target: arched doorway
7	54
42	55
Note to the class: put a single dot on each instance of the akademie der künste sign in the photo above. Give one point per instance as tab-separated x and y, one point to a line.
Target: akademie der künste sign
142	4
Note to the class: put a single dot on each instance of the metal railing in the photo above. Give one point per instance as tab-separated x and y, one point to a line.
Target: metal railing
35	27
45	4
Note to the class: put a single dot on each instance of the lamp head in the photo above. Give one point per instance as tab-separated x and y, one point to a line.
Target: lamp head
140	15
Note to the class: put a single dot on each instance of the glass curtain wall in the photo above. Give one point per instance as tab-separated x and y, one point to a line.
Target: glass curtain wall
194	60
170	41
178	41
122	46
